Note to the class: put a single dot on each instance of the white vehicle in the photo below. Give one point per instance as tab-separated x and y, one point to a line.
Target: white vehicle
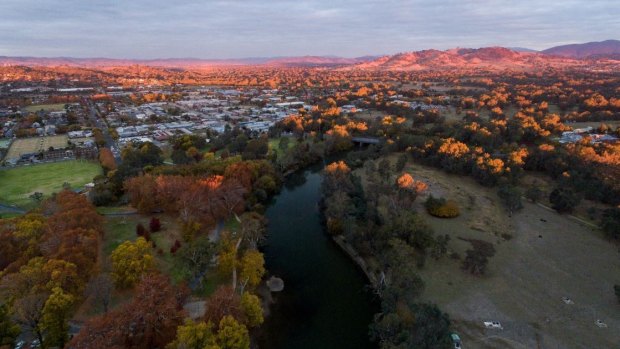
567	300
20	344
600	323
493	324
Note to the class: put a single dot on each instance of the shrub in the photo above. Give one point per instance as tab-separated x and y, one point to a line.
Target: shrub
154	225
442	208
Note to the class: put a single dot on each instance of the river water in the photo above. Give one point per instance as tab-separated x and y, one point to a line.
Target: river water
325	302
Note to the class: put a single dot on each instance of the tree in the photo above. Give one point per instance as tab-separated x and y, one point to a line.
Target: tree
477	258
252	309
252	269
563	200
611	223
9	331
232	335
130	261
196	256
401	162
223	302
194	335
533	193
36	196
150	320
511	197
55	316
100	290
253	228
29	313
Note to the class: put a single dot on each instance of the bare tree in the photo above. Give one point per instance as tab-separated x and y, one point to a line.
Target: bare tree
100	290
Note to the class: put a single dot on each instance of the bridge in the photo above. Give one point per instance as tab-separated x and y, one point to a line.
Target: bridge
365	140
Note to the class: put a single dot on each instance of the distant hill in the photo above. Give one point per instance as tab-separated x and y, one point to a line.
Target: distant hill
598	49
521	49
466	58
303	61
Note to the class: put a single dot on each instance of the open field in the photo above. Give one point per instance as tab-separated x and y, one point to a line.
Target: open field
35	145
17	184
46	107
541	257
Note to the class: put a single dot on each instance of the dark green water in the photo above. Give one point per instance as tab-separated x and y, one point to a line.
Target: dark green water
326	302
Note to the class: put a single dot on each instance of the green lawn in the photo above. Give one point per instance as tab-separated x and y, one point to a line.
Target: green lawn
47	107
118	230
274	145
16	184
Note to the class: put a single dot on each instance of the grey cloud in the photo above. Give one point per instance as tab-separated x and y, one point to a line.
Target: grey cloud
236	28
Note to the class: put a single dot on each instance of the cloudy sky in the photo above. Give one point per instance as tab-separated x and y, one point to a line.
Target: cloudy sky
259	28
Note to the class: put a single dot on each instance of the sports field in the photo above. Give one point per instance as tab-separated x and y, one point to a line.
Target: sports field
35	144
17	184
46	107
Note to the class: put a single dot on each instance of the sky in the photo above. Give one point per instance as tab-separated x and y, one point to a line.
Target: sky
267	28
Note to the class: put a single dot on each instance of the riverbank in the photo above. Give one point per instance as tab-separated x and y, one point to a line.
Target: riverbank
359	260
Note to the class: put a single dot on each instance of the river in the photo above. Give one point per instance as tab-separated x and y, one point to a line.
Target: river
325	302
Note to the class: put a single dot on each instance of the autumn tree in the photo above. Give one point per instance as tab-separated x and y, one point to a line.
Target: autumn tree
130	261
9	331
252	309
56	313
253	228
99	289
232	335
150	320
195	335
252	269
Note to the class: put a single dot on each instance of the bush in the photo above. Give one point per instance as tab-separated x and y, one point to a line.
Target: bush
155	225
442	208
563	200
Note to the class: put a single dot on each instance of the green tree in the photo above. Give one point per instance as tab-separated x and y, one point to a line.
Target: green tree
563	200
252	309
130	260
611	223
195	256
533	193
56	313
232	335
511	197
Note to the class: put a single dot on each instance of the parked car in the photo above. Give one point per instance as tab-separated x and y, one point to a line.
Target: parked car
456	340
493	324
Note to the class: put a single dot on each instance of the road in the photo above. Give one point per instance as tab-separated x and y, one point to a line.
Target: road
98	121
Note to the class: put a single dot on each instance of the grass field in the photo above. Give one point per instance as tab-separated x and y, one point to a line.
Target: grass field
275	142
16	184
541	257
35	144
46	107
